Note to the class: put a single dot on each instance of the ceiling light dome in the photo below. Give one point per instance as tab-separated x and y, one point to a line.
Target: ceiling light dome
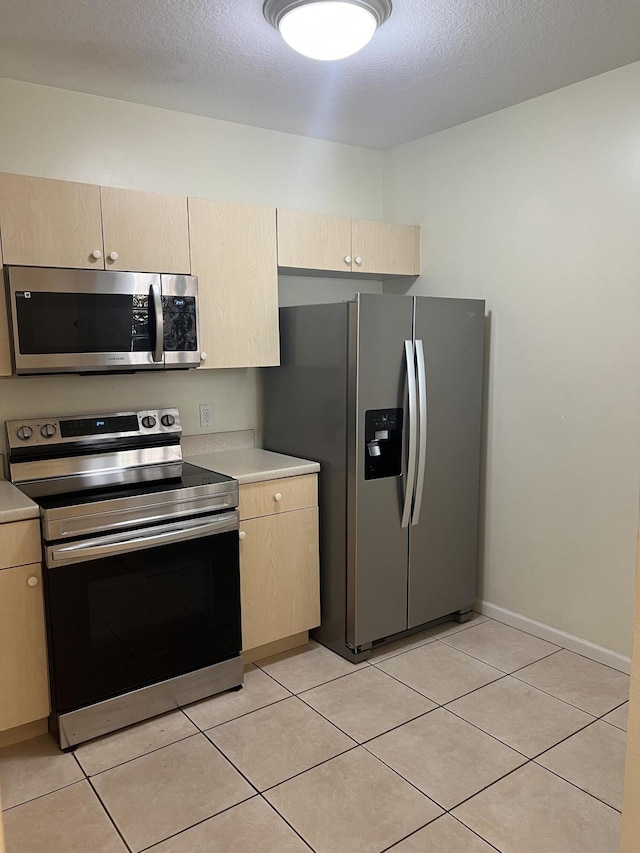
327	29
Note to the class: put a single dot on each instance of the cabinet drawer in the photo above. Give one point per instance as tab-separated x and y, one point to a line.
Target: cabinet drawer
276	496
19	543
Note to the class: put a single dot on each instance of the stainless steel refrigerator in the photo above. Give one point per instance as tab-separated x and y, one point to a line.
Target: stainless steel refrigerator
386	393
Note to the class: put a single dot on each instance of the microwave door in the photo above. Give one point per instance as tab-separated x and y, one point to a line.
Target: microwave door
80	320
181	341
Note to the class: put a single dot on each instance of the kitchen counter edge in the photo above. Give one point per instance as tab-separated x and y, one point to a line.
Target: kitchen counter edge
254	465
14	505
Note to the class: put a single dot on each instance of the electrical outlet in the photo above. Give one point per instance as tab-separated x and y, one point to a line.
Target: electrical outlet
206	415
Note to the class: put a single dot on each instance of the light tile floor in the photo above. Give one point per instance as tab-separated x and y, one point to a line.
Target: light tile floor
460	739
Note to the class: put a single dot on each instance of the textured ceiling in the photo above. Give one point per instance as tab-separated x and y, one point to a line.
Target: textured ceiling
432	65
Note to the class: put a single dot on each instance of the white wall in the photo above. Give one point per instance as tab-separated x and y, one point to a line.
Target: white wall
54	133
537	209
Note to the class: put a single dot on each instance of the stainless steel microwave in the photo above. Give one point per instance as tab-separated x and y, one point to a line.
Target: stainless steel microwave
85	321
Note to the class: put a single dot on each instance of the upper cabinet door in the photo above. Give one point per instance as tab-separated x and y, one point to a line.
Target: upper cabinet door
145	232
314	242
233	253
50	223
385	249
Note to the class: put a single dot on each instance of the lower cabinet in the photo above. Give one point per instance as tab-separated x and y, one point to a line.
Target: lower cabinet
279	563
24	696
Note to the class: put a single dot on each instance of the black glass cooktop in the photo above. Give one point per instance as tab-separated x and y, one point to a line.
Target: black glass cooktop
192	476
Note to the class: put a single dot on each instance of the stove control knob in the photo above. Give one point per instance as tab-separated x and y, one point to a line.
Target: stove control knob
148	421
47	431
168	420
24	433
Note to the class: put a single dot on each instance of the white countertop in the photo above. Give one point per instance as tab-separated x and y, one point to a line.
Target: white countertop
14	505
252	465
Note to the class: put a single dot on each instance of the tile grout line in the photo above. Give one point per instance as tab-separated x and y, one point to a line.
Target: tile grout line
137	757
229	761
199	822
111	819
574	785
451	808
486	787
493	666
392	846
373	737
477	834
500	677
322	683
440	817
495	737
282	817
40	796
553	696
240	716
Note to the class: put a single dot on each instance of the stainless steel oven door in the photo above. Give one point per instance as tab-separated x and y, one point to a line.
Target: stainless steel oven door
126	611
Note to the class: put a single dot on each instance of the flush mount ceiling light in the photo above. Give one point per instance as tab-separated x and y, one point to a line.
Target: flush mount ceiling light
327	29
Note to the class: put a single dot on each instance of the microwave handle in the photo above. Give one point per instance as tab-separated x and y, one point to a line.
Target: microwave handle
154	293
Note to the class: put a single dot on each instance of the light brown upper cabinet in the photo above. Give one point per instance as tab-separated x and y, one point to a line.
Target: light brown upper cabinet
233	253
335	244
312	241
50	223
145	232
385	249
64	224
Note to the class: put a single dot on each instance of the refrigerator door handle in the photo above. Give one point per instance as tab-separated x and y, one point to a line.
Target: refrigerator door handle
413	433
422	431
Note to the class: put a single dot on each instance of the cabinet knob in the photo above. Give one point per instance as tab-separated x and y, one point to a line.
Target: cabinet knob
347	259
97	254
33	581
241	534
277	496
203	356
358	260
113	256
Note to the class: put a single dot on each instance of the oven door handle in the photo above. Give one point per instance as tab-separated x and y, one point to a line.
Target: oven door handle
125	542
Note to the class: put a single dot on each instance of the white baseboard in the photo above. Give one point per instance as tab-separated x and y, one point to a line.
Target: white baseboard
555	635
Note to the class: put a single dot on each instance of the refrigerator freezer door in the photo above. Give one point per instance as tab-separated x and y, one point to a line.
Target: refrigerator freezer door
443	545
377	543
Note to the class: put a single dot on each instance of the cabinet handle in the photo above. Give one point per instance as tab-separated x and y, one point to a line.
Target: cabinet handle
358	260
347	259
241	534
113	256
277	496
97	254
203	356
33	581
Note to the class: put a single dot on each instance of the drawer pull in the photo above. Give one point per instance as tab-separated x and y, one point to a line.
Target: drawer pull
33	581
277	496
241	534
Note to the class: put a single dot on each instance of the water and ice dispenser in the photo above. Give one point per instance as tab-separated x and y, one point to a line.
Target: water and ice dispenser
382	443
